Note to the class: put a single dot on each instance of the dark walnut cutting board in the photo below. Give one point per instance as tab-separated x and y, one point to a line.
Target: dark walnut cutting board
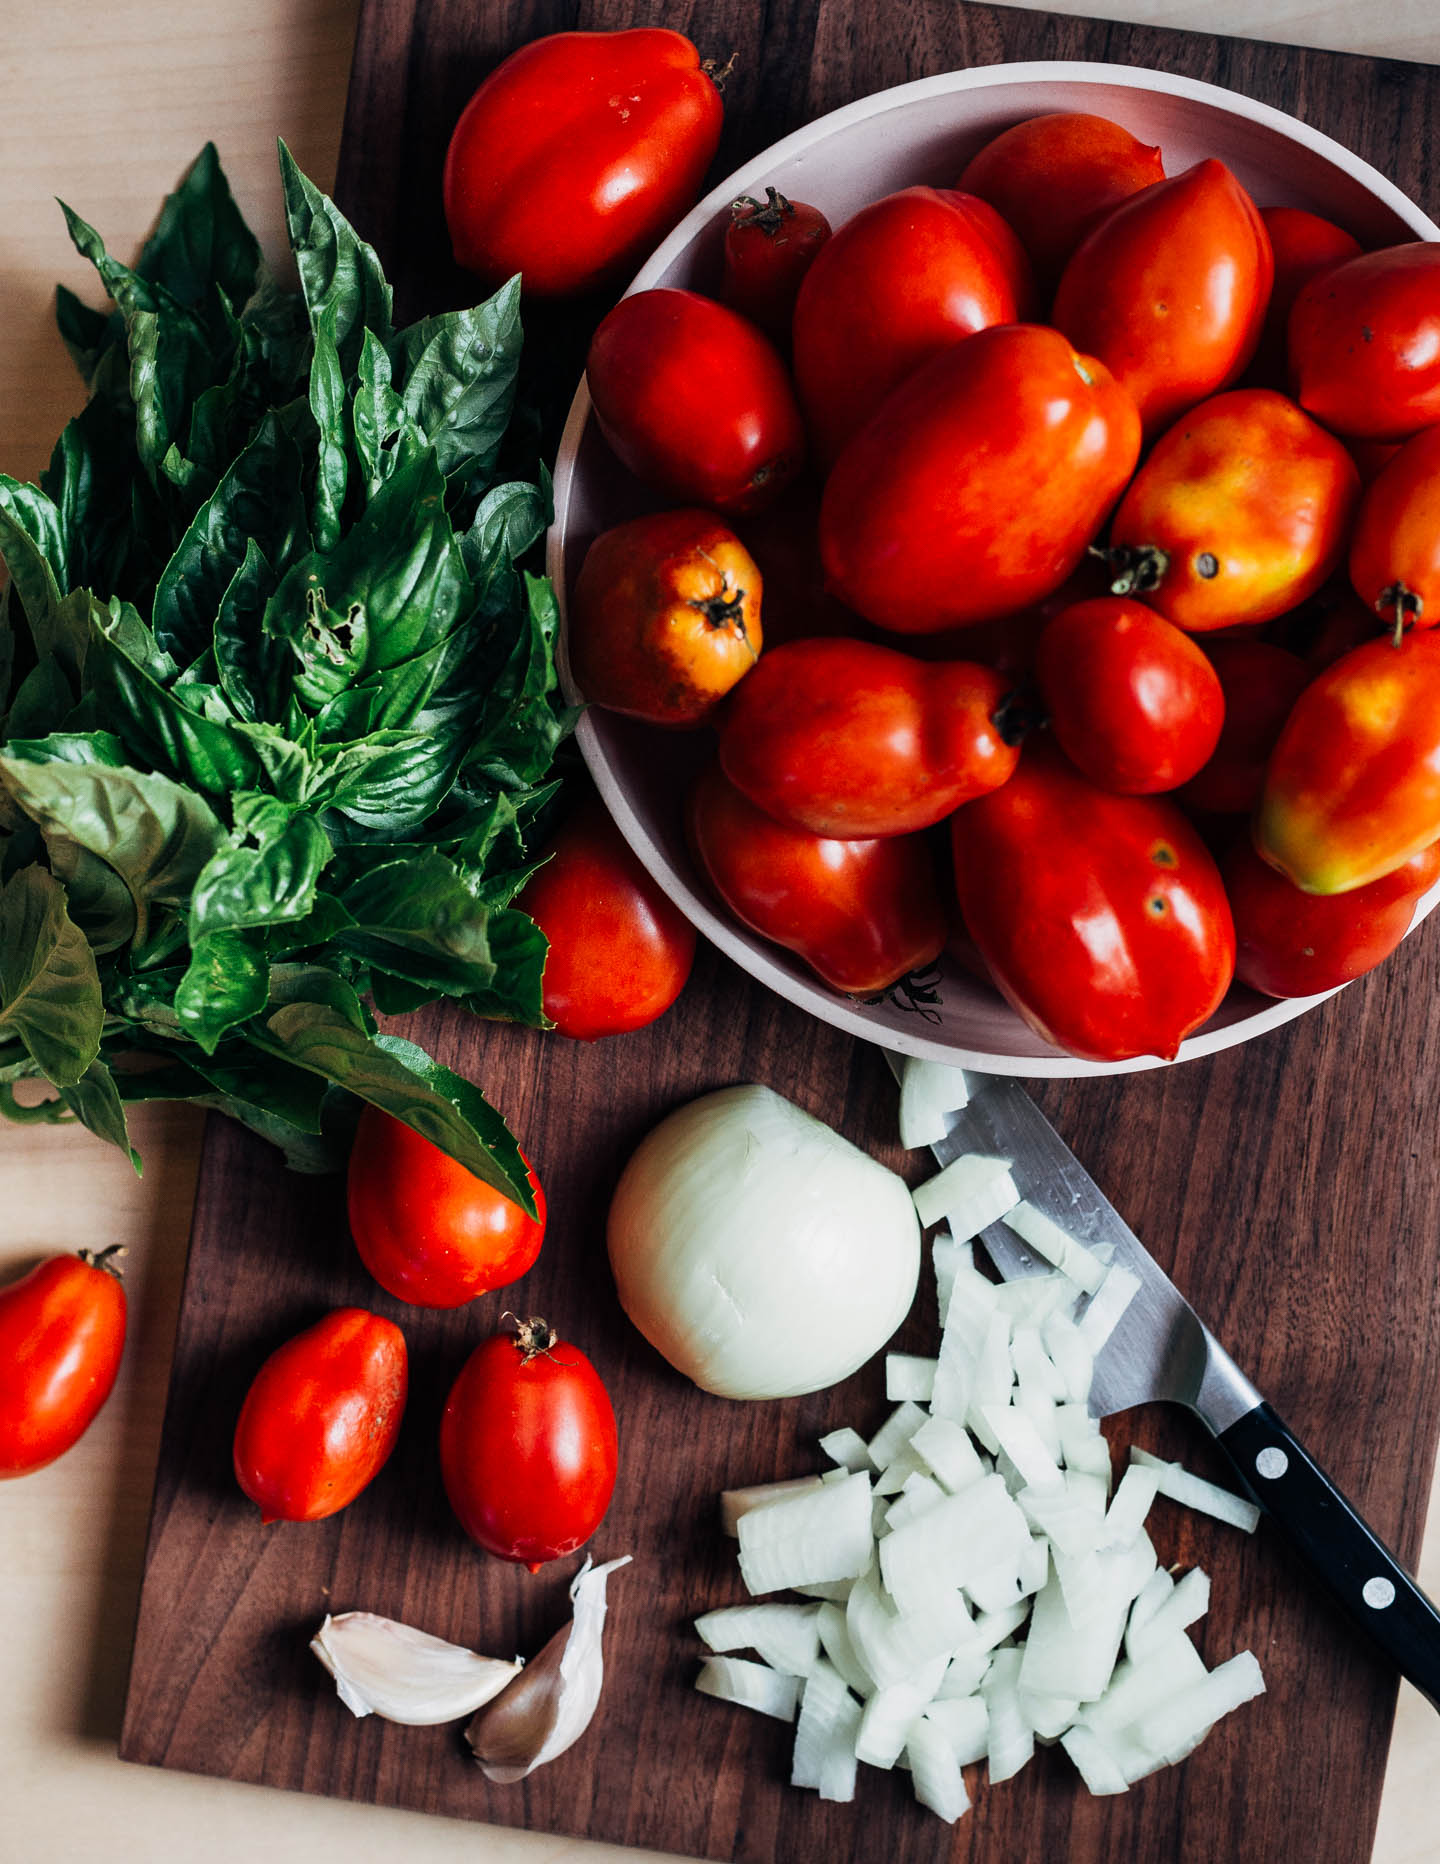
1292	1186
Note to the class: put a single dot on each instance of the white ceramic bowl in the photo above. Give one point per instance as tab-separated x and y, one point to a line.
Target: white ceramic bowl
926	132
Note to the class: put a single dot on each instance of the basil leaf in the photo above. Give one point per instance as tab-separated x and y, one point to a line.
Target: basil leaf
95	1102
337	268
418	920
89	481
248	663
385	436
201	248
519	730
197	749
85	332
32	542
458	380
264	873
389	783
227	982
49	986
327	404
511	518
42	698
519	949
64	747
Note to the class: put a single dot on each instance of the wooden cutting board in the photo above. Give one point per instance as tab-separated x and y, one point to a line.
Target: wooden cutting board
1291	1185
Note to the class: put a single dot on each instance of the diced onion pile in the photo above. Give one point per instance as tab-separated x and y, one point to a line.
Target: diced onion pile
971	1585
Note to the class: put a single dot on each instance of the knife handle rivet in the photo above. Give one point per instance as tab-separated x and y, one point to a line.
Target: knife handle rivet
1272	1464
1378	1593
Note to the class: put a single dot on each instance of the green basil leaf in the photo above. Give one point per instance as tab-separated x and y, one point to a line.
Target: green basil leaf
205	752
64	747
288	766
327	404
248	663
318	983
42	699
227	982
457	374
511	518
32	542
49	986
385	436
336	267
95	1102
264	873
518	948
86	333
326	917
402	1080
418	920
520	730
389	783
89	480
201	245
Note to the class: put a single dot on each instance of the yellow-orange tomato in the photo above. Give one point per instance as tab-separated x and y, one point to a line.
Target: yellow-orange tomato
665	617
1239	514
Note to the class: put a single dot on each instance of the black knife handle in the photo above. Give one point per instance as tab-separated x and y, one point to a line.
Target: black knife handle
1361	1573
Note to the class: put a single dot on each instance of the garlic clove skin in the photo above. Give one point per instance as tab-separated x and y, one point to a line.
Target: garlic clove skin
403	1675
549	1705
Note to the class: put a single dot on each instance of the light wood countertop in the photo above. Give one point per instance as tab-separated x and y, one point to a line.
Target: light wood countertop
105	107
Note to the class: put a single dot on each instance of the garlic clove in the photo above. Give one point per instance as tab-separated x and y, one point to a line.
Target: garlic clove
548	1706
404	1675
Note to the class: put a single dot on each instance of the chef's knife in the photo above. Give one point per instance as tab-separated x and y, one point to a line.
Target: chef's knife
1161	1349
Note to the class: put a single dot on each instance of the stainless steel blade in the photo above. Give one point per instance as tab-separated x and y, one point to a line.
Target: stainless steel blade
1161	1349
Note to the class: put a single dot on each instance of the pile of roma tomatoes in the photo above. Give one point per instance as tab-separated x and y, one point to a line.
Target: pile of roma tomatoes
1094	650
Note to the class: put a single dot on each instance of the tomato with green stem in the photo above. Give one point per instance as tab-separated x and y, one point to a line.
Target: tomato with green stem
62	1335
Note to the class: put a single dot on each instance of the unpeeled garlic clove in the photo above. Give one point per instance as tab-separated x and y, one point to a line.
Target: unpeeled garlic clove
404	1675
548	1706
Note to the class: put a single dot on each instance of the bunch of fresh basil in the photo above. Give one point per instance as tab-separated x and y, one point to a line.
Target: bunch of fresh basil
280	700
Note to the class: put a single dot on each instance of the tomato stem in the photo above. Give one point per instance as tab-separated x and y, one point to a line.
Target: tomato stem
917	992
718	73
1406	604
769	218
1135	569
1016	717
533	1335
726	610
104	1259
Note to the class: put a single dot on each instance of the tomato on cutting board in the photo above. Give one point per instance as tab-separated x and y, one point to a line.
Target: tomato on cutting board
428	1230
528	1446
620	948
62	1334
322	1416
576	154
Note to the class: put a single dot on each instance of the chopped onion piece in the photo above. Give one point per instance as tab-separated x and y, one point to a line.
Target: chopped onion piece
1075	1630
1157	1589
823	1534
751	1685
1048	1716
1082	1442
1071	1357
1010	1741
825	1713
946	1256
1032	1299
935	1772
1021	1442
895	1433
909	1376
1126	1514
962	1535
835	1590
1047	1239
838	1768
1189	1600
929	1090
1090	1491
1092	1762
787	1637
737	1502
945	1445
1037	1373
1173	1727
840	1649
1065	1517
965	1723
970	1193
965	1674
847	1448
919	1493
1107	1307
992	1628
1040	1408
1137	1689
888	1718
1195	1492
838	1474
898	1471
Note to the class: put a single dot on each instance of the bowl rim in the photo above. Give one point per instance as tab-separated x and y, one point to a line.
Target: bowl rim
741	946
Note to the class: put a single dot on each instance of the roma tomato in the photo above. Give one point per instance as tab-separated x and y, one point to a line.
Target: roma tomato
322	1416
1352	788
853	741
1054	177
665	617
862	914
978	486
1294	944
1365	343
1395	549
1133	702
1260	684
428	1230
528	1446
1102	918
768	251
1170	290
62	1332
576	154
908	277
620	949
1240	513
1304	246
695	400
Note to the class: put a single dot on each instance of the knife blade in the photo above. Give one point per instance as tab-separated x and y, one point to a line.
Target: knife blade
1162	1350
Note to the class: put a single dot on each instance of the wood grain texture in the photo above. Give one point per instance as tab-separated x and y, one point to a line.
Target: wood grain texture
1290	1186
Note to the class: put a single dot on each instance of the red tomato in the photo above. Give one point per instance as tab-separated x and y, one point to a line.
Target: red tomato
1395	550
62	1331
979	484
862	914
785	542
428	1230
1371	457
1294	944
908	277
1054	177
576	154
665	617
1133	702
1239	514
1170	290
620	949
322	1416
695	401
1352	788
768	251
528	1447
1260	684
1365	343
854	741
1304	246
1101	917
